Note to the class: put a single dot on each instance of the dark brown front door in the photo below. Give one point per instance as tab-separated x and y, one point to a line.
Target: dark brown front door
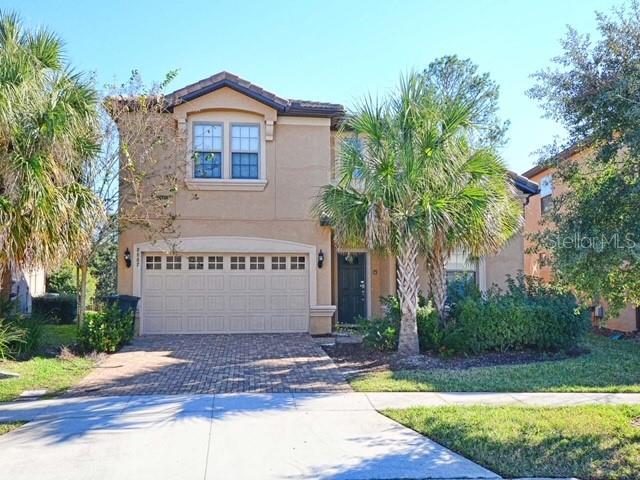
351	287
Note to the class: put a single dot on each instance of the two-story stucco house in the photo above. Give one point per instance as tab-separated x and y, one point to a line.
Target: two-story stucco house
250	257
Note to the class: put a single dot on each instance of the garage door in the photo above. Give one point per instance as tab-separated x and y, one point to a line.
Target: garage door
225	293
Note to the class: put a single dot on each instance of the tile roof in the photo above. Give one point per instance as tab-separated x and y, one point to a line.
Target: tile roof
303	108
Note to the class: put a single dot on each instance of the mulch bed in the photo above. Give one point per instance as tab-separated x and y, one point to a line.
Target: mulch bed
355	359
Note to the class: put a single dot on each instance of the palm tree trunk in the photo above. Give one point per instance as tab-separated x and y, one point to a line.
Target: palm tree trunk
435	266
408	287
438	286
82	291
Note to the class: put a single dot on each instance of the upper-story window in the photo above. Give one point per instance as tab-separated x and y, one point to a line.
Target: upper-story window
546	192
245	151
207	150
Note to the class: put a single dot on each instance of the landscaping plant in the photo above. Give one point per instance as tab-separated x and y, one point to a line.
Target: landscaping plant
106	331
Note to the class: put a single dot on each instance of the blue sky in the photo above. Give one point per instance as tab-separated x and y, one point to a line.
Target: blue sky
325	50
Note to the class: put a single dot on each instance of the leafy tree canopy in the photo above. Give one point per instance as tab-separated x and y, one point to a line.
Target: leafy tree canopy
593	90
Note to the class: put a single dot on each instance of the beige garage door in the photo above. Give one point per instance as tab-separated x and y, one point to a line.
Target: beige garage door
224	293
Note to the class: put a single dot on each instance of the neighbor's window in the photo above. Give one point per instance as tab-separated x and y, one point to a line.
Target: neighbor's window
196	262
154	263
278	263
466	276
238	263
245	151
216	262
174	262
207	150
297	263
546	192
256	263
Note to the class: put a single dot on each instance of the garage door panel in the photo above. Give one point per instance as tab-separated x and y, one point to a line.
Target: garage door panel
154	303
215	282
214	323
237	283
196	282
278	303
297	322
298	283
217	299
154	283
173	303
297	302
174	282
195	303
257	283
215	303
256	323
256	302
237	303
278	282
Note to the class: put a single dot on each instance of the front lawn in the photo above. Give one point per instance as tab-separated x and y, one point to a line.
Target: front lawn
7	427
588	442
45	372
611	366
52	374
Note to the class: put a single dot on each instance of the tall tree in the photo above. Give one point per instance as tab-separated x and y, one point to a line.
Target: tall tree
48	128
412	183
468	196
126	175
593	90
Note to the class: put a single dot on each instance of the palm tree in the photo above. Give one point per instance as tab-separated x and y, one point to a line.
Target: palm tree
375	201
412	183
48	128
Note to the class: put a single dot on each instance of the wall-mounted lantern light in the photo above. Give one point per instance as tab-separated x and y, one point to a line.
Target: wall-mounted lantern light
320	258
127	258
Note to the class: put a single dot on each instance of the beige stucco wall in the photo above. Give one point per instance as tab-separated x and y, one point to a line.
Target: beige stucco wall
509	261
298	163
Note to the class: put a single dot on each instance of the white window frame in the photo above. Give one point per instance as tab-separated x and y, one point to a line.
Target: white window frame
232	151
227	120
193	150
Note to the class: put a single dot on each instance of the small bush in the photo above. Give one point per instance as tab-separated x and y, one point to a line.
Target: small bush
380	333
106	331
34	331
383	333
12	336
61	308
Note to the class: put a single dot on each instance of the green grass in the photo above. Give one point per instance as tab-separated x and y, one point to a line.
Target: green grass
588	442
7	427
53	374
612	366
58	335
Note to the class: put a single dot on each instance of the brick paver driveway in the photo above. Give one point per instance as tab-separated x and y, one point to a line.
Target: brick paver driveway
178	364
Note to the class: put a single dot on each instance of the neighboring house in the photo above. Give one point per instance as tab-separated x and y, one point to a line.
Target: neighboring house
21	287
535	264
250	257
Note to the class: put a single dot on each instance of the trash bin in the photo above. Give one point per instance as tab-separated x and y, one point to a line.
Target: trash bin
126	303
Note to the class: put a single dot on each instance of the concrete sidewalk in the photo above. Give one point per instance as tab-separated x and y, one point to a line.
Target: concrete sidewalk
239	436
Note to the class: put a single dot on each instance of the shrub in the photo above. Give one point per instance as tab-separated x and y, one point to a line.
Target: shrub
106	331
11	337
382	334
529	314
34	330
56	308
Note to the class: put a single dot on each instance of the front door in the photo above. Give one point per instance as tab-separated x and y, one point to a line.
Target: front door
352	296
